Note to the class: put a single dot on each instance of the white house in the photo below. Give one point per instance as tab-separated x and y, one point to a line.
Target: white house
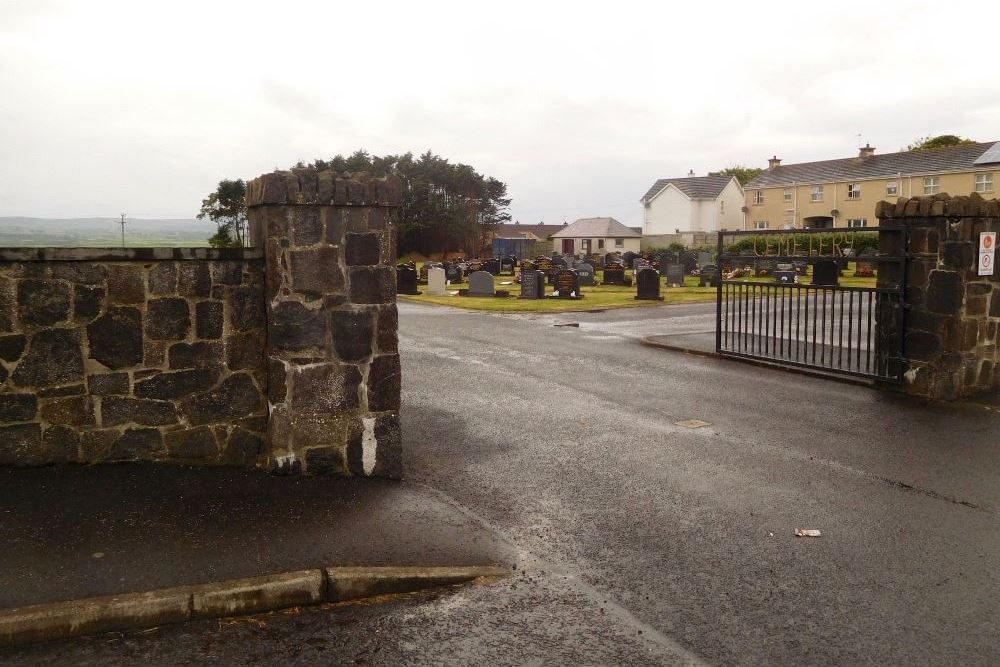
680	209
596	236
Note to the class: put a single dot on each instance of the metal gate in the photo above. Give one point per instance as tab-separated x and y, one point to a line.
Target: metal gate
769	309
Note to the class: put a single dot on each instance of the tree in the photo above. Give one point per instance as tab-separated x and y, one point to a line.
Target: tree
939	141
445	207
227	208
743	174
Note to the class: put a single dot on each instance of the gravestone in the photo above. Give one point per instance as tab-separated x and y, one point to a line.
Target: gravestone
801	268
532	284
453	273
709	276
481	284
508	263
704	259
406	279
689	259
559	262
785	277
464	266
640	263
647	281
864	267
423	274
492	265
436	278
826	272
675	275
586	273
567	284
628	259
474	265
614	274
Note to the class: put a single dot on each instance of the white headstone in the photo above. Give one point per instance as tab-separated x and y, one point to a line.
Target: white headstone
436	281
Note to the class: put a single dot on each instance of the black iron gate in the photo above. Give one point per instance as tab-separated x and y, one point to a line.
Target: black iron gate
772	304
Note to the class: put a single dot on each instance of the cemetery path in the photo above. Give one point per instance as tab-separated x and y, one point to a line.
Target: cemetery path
640	541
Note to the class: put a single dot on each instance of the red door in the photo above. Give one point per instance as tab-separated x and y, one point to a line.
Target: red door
567	246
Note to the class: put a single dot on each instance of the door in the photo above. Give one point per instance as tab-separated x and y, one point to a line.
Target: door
586	246
567	246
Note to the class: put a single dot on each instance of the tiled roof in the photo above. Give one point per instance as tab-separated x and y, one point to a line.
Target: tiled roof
695	187
595	228
949	158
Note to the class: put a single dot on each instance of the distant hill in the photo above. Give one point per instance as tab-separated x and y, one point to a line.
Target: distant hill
103	232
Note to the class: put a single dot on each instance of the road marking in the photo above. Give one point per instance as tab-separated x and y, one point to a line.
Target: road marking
692	423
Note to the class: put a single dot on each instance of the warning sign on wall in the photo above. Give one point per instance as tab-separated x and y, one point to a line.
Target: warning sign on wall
987	252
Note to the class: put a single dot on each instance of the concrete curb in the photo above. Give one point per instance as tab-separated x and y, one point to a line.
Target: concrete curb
845	379
235	597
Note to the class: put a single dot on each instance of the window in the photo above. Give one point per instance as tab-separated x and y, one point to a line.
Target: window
600	244
619	243
891	188
758	196
760	224
817	193
788	194
857	222
984	182
854	191
722	206
932	185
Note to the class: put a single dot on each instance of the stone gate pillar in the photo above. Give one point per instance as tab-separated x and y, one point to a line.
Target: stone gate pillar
950	327
333	364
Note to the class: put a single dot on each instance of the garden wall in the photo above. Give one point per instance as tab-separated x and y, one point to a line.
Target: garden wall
283	356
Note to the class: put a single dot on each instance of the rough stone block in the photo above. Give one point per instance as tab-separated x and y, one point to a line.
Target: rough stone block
201	354
168	318
388	458
295	327
227	273
247	308
107	384
60	444
53	358
194	279
306	226
372	285
242	448
236	397
387	338
192	443
209	319
87	301
245	351
362	249
85	273
69	411
18	407
12	347
326	461
125	284
137	444
958	254
116	410
276	381
945	292
384	376
317	271
333	221
42	303
177	384
352	333
163	278
65	390
115	338
20	444
325	388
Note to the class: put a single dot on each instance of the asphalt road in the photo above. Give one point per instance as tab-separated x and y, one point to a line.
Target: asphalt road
644	542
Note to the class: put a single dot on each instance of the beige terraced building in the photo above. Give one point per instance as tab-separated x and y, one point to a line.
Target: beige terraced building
844	192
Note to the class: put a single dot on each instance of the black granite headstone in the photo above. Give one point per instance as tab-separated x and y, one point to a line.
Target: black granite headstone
406	280
675	275
647	281
826	272
709	276
532	284
567	284
614	274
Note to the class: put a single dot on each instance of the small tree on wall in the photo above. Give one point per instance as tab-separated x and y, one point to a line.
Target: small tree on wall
227	208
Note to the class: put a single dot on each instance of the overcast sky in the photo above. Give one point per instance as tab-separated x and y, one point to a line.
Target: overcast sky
143	107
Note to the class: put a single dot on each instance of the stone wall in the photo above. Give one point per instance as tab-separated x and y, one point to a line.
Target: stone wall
146	354
950	327
333	363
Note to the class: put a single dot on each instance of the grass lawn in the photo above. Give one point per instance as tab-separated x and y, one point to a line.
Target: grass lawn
595	297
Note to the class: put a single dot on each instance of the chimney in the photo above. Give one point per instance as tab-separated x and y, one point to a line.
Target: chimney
774	162
866	152
691	173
